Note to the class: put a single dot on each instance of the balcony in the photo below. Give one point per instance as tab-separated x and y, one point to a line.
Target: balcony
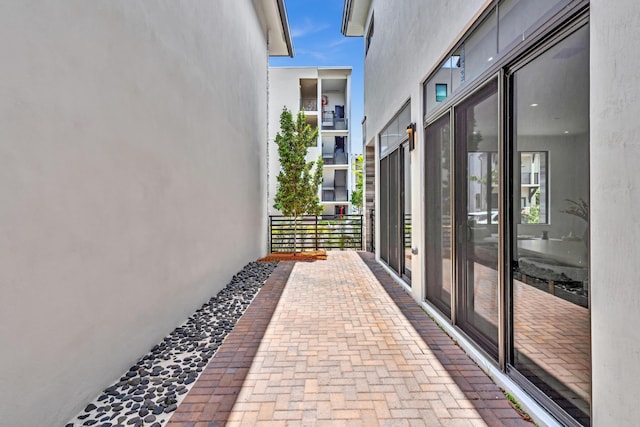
335	194
334	186
309	104
334	150
527	178
334	119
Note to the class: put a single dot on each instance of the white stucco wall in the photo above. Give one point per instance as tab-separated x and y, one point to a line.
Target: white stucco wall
397	62
615	203
132	165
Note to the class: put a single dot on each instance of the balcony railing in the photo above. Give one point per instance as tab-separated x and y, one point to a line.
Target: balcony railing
309	104
314	233
525	178
330	121
338	194
335	158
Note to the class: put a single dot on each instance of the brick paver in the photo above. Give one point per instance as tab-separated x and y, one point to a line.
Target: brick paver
345	346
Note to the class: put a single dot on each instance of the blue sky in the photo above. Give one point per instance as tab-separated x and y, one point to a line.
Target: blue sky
317	42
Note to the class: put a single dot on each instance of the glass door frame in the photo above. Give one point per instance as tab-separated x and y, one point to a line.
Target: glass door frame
397	202
459	259
507	221
471	92
551	33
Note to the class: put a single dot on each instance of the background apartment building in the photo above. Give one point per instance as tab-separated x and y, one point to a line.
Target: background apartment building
132	182
324	96
520	193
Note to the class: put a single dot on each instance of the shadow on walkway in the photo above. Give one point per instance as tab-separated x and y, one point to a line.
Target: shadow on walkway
487	398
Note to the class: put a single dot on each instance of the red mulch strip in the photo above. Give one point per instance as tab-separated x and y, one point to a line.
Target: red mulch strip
309	256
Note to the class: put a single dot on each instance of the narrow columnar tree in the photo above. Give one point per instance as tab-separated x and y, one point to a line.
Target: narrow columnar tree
298	180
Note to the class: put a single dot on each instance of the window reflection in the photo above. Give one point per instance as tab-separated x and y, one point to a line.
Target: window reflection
533	187
438	208
550	263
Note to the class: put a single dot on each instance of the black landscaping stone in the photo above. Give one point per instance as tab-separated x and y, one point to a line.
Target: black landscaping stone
149	389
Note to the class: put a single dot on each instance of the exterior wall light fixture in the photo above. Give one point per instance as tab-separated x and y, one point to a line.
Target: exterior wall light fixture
411	131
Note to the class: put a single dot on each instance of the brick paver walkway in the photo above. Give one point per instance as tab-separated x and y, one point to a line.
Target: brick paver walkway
345	346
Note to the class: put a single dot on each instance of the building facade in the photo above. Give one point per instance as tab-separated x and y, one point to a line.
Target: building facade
324	96
132	182
508	211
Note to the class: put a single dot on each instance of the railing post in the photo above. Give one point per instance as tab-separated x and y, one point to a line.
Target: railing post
316	234
270	234
361	231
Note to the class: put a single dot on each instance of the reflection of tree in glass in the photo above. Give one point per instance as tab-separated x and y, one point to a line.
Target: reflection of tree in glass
531	215
579	209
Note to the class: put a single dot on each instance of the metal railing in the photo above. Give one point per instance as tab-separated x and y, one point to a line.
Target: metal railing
315	233
371	246
525	178
339	194
309	104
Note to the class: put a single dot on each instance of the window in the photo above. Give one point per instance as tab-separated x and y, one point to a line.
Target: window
507	165
534	187
550	245
395	133
516	17
441	92
395	191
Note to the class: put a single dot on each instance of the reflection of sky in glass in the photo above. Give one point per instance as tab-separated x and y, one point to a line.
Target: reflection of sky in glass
453	62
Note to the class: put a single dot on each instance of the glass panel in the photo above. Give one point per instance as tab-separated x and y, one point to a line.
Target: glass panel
394	210
550	266
457	69
516	17
384	209
438	212
481	48
404	119
384	142
395	132
406	195
440	85
533	187
477	216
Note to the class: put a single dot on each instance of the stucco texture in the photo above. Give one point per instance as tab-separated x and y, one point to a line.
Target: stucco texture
132	184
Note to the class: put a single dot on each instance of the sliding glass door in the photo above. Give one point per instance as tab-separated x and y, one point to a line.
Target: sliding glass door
507	205
477	216
395	210
438	208
395	195
550	223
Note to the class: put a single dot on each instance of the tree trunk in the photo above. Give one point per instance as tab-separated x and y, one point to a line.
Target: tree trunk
295	235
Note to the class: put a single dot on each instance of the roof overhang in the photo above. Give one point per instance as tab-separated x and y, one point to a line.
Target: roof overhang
354	17
280	43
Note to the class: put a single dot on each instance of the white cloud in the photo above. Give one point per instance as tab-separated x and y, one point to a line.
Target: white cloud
307	27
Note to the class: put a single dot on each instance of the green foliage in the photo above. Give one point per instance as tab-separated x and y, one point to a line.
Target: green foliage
298	180
532	215
357	198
